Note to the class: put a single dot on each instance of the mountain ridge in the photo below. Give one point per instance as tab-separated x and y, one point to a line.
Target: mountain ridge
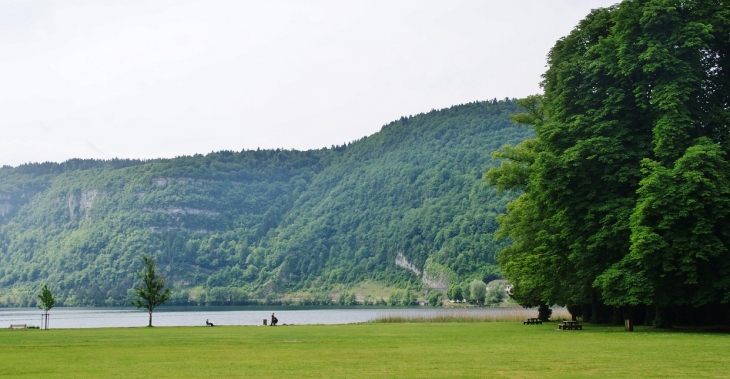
264	222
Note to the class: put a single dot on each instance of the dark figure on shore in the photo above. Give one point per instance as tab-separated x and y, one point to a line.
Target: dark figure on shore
274	320
208	323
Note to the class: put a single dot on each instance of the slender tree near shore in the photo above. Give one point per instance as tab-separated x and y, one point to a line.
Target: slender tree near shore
478	291
47	301
152	291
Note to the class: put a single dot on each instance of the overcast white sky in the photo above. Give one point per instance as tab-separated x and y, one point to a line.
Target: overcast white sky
149	79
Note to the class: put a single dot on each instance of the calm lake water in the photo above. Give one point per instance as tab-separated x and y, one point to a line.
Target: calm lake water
196	316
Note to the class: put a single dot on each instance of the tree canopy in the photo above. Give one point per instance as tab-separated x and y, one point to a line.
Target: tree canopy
624	189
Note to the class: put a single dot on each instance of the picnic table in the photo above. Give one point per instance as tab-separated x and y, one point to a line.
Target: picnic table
570	325
532	321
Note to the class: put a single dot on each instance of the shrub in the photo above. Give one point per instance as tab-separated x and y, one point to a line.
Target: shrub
402	298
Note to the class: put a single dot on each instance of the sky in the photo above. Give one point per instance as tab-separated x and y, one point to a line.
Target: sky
158	79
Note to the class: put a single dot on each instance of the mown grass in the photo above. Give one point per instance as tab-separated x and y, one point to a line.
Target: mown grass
374	350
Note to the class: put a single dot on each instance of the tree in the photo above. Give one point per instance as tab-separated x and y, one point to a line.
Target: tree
454	292
434	298
625	202
396	297
478	291
528	222
152	291
466	291
347	298
403	297
496	292
47	301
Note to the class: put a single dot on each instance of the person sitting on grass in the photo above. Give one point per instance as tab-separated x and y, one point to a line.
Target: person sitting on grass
208	323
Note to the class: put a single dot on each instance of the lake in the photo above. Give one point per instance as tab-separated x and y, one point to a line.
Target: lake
196	316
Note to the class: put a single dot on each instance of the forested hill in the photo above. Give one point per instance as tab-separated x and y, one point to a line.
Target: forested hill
405	207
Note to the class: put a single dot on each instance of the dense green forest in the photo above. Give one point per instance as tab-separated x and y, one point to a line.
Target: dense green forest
405	208
624	210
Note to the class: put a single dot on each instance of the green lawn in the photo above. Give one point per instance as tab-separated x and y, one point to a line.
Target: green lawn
428	350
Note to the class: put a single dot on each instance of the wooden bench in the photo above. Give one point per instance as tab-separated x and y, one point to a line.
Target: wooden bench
18	326
570	325
532	321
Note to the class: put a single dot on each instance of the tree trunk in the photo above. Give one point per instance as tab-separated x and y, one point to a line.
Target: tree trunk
595	311
586	311
663	317
544	312
628	316
575	311
150	319
638	313
650	315
618	316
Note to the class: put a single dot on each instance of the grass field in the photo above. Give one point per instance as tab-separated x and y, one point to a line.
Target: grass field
426	350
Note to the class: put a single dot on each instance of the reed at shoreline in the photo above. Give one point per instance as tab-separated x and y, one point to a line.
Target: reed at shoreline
471	315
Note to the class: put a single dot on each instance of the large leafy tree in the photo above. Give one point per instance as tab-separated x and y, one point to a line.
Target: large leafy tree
152	291
625	187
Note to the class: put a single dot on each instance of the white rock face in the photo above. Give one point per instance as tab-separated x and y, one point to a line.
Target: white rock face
401	261
171	228
5	208
83	202
71	203
160	181
87	198
439	282
173	211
